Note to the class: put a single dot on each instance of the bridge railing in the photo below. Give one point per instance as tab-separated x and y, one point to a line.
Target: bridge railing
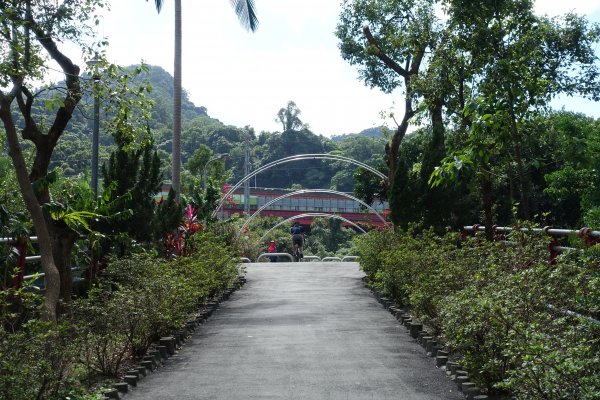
311	258
589	237
501	233
20	246
265	255
307	258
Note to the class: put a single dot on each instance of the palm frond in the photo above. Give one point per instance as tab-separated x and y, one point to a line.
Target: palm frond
159	4
246	12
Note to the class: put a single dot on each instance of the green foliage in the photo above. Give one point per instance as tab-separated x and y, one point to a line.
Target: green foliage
248	241
369	187
149	298
328	238
35	357
289	117
136	301
402	25
499	307
325	237
132	176
370	248
572	184
487	74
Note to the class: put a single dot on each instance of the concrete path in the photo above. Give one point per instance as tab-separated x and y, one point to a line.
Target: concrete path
300	331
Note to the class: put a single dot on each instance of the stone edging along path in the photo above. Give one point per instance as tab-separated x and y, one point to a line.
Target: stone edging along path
166	347
430	344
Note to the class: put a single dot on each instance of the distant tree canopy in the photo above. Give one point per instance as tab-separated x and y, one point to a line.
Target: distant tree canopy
289	117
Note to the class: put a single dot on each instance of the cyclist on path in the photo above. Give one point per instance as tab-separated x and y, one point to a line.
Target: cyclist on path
297	239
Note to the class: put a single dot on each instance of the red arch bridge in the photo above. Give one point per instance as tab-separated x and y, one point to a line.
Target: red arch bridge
304	203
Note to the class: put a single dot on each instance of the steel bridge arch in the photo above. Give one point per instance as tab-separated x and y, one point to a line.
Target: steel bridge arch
301	191
298	157
325	215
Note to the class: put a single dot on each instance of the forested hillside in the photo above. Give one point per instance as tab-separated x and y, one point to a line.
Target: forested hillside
199	129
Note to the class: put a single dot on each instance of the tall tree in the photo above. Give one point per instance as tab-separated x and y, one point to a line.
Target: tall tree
289	117
519	61
246	12
31	32
388	40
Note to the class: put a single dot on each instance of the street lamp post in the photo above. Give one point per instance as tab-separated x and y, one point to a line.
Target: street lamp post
216	158
96	132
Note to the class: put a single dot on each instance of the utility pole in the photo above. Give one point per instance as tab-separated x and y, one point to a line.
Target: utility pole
246	172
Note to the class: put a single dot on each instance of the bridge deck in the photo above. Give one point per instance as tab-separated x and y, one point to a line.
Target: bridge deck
300	331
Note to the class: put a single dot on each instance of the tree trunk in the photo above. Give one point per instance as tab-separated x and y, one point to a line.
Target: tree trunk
37	215
176	169
394	147
435	199
486	194
523	178
63	240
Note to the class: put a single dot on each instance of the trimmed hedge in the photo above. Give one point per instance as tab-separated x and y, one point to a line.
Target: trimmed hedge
499	307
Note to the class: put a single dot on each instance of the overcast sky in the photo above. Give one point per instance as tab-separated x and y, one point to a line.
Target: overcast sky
244	78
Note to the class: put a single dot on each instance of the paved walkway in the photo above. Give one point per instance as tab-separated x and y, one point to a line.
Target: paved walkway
300	331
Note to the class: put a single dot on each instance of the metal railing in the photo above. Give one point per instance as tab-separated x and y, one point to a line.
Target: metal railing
310	258
583	232
20	245
263	255
15	242
590	237
307	258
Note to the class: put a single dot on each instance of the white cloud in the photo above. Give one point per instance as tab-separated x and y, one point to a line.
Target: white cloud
558	7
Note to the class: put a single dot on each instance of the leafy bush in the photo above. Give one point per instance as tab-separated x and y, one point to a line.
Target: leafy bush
36	359
501	307
148	298
136	300
371	247
557	354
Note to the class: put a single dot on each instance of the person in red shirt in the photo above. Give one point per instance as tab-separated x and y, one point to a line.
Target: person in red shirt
272	249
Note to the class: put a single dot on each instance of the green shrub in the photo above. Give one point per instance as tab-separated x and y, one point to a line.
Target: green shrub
440	268
211	269
142	298
499	306
557	355
370	248
112	325
36	359
136	300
